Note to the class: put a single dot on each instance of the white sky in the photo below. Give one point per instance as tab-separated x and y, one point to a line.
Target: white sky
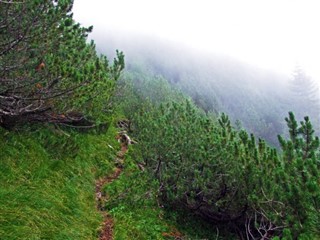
274	34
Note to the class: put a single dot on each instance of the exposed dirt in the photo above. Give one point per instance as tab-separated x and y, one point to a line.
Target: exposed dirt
101	199
107	231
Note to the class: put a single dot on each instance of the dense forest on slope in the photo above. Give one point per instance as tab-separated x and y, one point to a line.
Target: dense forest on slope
257	99
224	175
193	172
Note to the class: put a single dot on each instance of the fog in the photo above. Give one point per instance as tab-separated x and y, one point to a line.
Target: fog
236	57
270	34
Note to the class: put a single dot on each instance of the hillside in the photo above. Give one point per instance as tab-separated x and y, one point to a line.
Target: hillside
256	97
167	143
47	182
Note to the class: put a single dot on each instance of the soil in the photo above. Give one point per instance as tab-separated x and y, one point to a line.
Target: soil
107	225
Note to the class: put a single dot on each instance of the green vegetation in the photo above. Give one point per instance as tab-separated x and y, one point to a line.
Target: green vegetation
134	204
48	71
226	176
48	182
257	98
191	175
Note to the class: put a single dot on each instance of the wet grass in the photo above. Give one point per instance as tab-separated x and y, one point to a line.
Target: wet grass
47	181
47	190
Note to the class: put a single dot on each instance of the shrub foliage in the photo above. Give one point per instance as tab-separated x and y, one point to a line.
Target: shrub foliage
229	177
48	73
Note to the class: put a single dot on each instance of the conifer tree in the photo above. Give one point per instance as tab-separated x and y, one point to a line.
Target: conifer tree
299	190
305	95
228	177
48	73
303	86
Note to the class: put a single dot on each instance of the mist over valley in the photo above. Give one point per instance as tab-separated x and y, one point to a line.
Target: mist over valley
255	98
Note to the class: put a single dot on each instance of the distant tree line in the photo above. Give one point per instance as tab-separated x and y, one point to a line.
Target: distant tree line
257	98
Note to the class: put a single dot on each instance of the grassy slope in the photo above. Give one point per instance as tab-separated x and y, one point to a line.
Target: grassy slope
47	183
47	190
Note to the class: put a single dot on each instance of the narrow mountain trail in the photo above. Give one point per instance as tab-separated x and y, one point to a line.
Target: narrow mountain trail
101	198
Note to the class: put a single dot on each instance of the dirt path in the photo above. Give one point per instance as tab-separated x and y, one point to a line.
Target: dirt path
107	225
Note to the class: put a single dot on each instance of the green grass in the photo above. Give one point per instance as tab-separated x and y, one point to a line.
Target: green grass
132	204
47	190
47	182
